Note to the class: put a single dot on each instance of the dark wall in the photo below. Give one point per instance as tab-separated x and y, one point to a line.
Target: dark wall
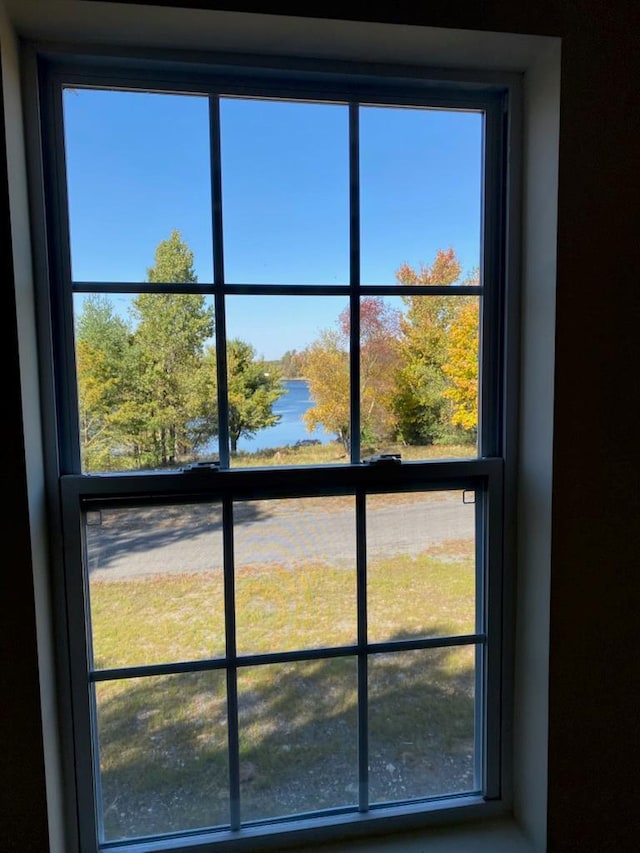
594	756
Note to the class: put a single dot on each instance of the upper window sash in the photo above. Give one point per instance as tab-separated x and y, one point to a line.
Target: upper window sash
368	86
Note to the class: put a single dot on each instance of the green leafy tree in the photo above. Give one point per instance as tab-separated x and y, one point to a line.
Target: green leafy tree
173	262
174	400
105	372
252	391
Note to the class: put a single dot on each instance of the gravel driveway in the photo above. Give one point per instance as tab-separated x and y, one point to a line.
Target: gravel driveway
131	542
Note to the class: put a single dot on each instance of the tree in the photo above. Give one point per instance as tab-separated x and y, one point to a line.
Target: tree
421	404
173	262
327	371
461	367
145	398
171	330
326	368
379	364
292	364
252	391
104	371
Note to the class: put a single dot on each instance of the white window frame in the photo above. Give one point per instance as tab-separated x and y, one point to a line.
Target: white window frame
499	427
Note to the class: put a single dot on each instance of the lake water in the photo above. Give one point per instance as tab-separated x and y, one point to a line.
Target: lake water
291	428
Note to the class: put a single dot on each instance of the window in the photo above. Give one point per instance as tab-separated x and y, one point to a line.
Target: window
280	409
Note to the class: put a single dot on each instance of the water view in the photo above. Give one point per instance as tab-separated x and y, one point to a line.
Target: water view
291	428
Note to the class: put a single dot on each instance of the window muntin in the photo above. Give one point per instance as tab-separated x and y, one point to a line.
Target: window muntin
477	653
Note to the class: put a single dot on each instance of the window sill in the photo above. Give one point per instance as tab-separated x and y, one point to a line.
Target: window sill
473	832
495	836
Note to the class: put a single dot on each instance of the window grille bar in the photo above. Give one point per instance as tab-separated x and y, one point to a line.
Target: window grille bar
297	656
261	289
232	673
354	280
155	670
363	705
479	750
421	289
218	275
425	643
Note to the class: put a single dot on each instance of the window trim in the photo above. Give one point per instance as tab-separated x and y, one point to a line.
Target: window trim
504	427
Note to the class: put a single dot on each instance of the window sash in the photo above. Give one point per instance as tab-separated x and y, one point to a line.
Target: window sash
89	492
353	90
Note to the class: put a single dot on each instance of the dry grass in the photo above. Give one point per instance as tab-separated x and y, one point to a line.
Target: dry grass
335	454
163	740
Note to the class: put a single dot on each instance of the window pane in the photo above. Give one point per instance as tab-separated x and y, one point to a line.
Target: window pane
147	388
419	376
421	723
295	573
420	191
421	571
163	754
285	192
288	369
137	169
298	737
156	584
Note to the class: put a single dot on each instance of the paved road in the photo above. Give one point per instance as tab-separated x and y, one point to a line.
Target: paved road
127	543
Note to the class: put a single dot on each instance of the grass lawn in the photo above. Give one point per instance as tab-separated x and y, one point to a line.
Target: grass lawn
333	453
163	740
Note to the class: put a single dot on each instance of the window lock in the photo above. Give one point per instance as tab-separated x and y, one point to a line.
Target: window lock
383	459
196	467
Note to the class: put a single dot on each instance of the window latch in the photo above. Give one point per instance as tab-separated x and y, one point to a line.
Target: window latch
197	467
383	459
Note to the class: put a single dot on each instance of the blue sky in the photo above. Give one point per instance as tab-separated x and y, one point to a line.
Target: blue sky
138	167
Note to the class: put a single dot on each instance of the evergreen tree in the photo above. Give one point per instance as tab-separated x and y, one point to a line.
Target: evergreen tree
176	404
252	392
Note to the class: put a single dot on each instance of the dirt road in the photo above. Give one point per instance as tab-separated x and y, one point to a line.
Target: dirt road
128	543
